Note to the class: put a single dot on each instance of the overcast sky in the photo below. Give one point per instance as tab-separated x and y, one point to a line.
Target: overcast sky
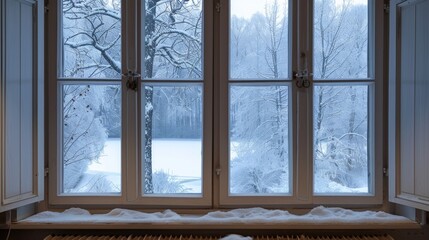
246	8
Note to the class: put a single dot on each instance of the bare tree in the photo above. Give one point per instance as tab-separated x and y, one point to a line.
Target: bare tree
91	38
172	34
340	52
277	26
172	50
83	133
340	37
260	114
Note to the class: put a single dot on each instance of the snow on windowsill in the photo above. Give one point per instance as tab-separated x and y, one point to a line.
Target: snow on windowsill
319	217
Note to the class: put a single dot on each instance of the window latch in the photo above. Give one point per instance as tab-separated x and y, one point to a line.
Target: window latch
132	80
218	7
387	8
301	78
302	75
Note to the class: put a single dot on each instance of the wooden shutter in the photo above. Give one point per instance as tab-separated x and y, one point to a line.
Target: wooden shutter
408	104
22	102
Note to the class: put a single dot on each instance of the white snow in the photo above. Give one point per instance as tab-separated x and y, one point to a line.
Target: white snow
180	158
317	216
107	167
177	157
110	159
235	237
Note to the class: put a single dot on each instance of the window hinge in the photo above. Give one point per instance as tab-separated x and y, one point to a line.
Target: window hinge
46	171
386	8
218	170
218	7
385	172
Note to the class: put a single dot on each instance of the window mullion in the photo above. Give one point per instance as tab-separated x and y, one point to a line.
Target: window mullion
130	98
222	173
303	134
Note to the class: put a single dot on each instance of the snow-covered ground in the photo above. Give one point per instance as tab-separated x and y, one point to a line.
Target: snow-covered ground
110	159
107	167
180	158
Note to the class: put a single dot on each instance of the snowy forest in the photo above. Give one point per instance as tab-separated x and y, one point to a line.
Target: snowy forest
260	161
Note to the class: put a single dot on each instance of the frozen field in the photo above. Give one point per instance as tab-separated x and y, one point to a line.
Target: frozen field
179	158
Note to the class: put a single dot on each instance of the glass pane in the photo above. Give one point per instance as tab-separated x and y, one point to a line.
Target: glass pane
259	39
340	39
91	139
91	35
259	140
341	139
173	139
173	39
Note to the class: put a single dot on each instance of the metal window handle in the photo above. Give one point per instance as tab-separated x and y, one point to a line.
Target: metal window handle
302	78
132	80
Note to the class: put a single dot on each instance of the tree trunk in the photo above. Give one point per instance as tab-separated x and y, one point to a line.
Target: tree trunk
148	90
352	120
148	184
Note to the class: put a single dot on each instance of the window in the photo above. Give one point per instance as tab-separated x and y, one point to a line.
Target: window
341	134
89	90
173	112
202	104
134	102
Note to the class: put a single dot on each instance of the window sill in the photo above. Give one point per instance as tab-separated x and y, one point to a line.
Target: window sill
250	218
216	226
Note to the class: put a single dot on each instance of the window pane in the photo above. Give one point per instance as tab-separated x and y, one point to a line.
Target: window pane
340	39
173	39
259	140
91	139
91	35
173	139
259	39
341	139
